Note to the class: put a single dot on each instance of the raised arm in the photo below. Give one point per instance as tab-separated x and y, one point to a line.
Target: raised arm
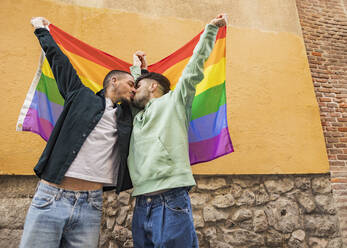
139	67
139	64
193	73
63	71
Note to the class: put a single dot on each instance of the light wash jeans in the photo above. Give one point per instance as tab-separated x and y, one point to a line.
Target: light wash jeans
62	218
164	221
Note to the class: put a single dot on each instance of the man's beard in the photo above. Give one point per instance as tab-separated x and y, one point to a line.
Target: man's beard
125	100
141	101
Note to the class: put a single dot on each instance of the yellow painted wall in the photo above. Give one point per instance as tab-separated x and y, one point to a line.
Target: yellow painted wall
272	111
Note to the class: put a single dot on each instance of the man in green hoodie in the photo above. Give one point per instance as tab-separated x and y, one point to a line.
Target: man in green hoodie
158	159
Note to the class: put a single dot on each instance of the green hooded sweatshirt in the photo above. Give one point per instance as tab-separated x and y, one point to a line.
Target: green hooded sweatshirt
159	156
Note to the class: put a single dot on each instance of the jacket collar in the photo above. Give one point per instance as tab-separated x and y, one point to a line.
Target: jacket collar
101	93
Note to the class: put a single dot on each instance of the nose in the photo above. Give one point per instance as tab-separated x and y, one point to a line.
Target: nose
133	90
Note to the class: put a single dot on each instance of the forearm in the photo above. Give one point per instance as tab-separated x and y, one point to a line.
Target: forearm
193	73
64	73
136	71
206	41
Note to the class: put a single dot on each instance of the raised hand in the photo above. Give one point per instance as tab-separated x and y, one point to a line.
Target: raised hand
139	59
220	20
39	22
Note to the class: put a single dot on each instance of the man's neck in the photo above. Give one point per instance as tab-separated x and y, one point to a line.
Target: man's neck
156	94
111	96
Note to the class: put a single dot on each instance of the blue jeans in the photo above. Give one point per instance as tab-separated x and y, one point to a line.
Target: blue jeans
63	218
164	220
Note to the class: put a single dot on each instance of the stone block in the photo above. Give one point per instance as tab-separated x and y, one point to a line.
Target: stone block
124	197
10	238
283	215
297	239
198	220
212	214
306	201
274	238
219	244
335	243
13	212
247	181
210	233
325	203
235	190
223	201
260	221
279	186
261	196
321	225
198	200
242	214
247	198
121	233
321	185
303	183
317	242
17	186
211	183
122	215
241	237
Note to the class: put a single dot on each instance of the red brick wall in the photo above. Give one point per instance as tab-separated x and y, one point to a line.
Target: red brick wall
324	27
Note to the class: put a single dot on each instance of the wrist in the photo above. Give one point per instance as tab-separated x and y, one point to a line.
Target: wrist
38	23
212	26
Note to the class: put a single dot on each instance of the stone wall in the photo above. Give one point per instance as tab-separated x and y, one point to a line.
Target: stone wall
16	193
229	211
245	211
324	26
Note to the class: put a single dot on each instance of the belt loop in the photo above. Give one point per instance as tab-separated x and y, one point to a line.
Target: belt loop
89	195
59	194
37	186
162	198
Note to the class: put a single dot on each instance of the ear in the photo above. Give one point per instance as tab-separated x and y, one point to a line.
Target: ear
153	87
113	80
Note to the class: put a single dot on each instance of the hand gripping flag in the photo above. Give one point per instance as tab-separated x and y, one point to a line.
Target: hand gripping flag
208	132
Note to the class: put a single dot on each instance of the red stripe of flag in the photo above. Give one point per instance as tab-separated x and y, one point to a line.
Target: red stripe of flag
80	48
184	52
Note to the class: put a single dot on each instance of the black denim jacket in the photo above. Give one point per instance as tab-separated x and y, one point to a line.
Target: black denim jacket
82	111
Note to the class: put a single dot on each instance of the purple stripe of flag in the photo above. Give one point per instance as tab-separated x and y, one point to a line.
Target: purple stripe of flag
209	149
35	124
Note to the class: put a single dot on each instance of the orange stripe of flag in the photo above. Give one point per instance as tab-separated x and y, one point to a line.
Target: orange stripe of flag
86	68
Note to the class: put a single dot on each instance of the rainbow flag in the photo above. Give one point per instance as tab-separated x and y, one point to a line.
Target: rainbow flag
208	132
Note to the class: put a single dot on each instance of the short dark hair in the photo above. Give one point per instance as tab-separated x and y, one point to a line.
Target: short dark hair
117	73
163	81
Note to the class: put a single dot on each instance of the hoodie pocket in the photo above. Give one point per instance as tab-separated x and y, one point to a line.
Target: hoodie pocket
152	160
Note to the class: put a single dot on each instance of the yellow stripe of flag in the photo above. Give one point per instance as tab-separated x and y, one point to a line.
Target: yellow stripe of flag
214	75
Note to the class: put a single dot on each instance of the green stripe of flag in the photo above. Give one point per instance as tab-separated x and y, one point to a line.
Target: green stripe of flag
49	87
203	105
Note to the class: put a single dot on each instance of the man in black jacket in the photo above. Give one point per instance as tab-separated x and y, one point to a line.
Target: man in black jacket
86	152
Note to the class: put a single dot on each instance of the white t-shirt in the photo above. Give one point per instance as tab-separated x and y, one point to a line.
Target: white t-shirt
97	160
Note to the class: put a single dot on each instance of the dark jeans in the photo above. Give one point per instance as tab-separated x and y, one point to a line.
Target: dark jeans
164	220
